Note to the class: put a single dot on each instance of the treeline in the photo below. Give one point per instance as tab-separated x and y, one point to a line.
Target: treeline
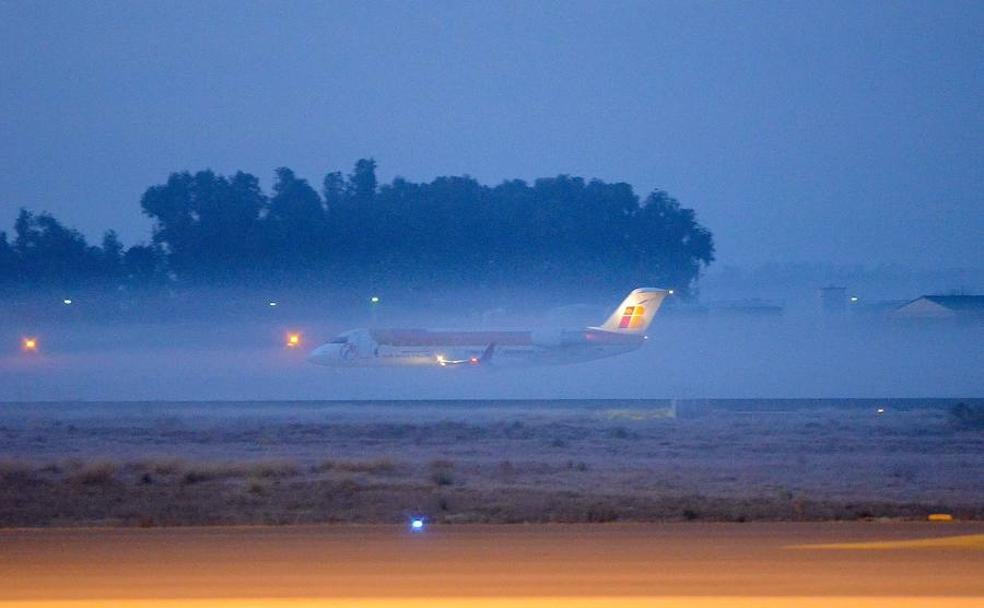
214	229
44	252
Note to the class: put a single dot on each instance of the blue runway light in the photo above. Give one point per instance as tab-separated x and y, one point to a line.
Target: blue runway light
417	524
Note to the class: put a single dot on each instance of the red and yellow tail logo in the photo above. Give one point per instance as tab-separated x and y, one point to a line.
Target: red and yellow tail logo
632	317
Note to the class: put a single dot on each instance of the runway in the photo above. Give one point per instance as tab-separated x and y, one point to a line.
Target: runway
686	564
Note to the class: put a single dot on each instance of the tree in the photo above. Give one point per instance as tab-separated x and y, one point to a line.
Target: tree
207	225
142	264
112	255
362	182
671	242
333	190
171	206
561	230
50	252
297	221
8	260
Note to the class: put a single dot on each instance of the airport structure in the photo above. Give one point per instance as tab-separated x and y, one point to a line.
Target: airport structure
958	307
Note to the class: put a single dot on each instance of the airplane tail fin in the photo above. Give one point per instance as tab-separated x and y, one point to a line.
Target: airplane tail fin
487	354
636	312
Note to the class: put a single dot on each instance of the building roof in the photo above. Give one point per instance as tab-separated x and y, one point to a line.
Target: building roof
958	303
942	307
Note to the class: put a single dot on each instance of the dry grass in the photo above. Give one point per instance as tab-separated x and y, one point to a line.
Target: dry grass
273	469
15	471
442	472
378	466
162	466
157	493
210	471
724	466
100	472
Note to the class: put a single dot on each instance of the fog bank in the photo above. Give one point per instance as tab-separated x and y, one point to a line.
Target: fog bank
209	353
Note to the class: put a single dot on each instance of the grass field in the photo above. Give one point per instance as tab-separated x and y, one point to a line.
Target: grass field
280	463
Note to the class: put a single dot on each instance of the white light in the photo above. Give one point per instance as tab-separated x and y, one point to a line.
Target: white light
854	299
374	299
272	303
880	410
67	301
670	292
416	524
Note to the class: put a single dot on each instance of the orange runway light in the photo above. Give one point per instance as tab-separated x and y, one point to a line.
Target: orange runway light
29	344
293	340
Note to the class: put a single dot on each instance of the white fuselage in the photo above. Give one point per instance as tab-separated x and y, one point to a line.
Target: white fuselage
418	347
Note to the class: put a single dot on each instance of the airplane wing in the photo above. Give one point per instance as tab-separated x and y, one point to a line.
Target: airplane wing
482	359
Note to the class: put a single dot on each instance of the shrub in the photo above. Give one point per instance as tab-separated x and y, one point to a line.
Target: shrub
441	472
273	469
378	466
198	473
164	466
95	473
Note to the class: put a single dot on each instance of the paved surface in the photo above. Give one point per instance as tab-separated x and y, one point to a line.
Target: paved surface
856	564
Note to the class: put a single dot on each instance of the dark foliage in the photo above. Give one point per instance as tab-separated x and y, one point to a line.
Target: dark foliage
216	229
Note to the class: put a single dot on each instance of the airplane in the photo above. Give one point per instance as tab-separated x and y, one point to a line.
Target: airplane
624	331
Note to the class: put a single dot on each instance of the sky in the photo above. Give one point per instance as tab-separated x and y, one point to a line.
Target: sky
840	132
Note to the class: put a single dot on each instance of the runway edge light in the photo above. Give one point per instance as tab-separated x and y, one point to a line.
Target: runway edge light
416	524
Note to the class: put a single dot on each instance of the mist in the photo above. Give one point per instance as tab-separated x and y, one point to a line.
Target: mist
212	345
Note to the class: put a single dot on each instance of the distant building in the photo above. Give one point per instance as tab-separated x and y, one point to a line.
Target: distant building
942	307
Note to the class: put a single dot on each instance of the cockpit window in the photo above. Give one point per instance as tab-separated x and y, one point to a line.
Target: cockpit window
339	340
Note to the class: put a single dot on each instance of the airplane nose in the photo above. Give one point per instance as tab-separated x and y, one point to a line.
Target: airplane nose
320	355
327	354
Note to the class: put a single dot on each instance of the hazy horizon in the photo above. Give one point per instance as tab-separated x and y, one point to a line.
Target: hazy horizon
234	348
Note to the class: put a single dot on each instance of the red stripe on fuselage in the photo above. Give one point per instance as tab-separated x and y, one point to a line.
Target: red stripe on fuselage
422	337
